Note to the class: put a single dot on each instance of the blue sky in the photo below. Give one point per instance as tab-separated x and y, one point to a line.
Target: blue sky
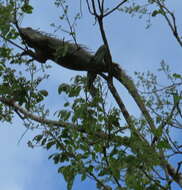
134	47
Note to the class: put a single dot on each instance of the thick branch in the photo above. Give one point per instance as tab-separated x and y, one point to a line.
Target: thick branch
33	117
50	122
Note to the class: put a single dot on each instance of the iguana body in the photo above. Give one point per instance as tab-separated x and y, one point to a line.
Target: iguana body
77	58
71	56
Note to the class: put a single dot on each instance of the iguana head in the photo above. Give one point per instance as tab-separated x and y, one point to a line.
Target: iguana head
31	36
30	33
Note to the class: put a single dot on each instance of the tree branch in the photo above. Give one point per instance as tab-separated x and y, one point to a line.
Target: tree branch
172	24
61	124
38	119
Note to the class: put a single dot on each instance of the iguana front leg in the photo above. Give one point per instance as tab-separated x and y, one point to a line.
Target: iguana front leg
100	54
91	76
37	55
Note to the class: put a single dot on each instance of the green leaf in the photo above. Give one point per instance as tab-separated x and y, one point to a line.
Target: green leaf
74	91
5	52
155	12
27	8
164	144
38	138
66	104
177	76
43	92
104	171
64	114
43	141
50	144
90	168
63	88
158	132
69	175
176	98
83	177
56	158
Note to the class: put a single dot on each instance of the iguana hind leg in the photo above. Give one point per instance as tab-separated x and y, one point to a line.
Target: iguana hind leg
91	76
100	54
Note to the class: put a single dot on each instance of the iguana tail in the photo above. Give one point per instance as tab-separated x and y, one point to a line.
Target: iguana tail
126	81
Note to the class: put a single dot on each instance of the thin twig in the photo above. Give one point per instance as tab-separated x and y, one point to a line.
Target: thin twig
99	182
108	165
173	25
115	8
11	42
89	9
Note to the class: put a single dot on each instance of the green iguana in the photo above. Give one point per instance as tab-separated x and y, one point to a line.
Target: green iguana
75	57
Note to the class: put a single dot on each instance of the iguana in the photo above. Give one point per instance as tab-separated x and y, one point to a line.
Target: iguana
75	57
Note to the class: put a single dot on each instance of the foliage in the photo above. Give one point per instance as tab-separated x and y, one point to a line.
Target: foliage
91	137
